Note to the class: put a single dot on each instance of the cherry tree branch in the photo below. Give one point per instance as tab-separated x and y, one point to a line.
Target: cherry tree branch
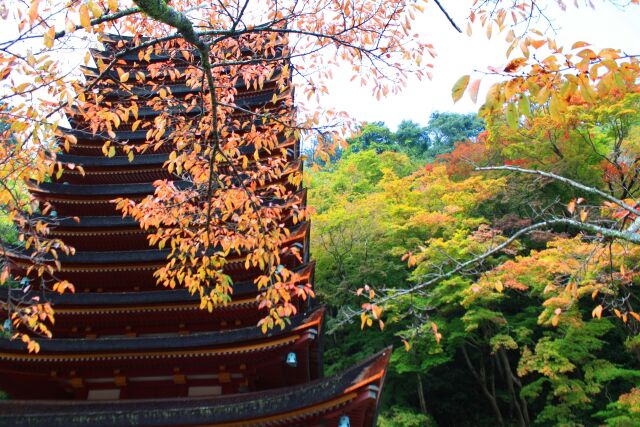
449	18
104	18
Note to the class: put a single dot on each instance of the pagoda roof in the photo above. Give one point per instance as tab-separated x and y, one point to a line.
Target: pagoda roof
91	221
95	299
243	100
133	56
100	189
129	256
118	347
115	161
126	135
283	406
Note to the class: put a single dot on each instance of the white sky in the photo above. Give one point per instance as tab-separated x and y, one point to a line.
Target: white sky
458	54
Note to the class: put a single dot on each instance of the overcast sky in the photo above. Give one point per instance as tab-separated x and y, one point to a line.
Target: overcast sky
459	54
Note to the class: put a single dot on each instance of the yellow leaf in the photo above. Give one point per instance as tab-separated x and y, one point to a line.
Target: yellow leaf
459	88
49	37
407	346
85	20
124	77
113	5
584	213
571	206
499	286
96	11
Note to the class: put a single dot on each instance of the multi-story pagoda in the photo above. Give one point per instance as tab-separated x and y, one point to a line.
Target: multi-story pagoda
127	352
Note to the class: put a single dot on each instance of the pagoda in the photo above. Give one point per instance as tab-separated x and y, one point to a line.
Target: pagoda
126	351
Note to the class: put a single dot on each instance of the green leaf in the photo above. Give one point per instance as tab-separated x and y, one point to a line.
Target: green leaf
512	116
524	106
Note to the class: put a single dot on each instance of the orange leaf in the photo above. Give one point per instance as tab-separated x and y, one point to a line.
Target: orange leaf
515	64
597	312
576	45
473	90
33	11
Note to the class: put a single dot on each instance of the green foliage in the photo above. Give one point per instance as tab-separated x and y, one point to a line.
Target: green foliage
439	136
405	417
445	129
540	333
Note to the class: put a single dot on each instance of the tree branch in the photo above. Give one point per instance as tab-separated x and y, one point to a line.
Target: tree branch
104	18
448	16
564	180
592	228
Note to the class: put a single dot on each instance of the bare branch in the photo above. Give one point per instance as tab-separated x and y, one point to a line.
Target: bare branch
448	16
564	180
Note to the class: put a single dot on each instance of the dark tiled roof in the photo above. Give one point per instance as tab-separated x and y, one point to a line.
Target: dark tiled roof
150	343
98	299
185	411
103	161
101	189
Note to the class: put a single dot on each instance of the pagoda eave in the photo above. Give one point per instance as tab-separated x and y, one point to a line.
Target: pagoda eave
354	392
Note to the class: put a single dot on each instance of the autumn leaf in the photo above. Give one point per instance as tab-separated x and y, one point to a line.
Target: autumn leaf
474	86
459	87
515	64
85	20
33	11
49	37
96	11
597	312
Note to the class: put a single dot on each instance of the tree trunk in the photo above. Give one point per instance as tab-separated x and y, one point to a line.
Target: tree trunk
423	402
519	402
482	382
